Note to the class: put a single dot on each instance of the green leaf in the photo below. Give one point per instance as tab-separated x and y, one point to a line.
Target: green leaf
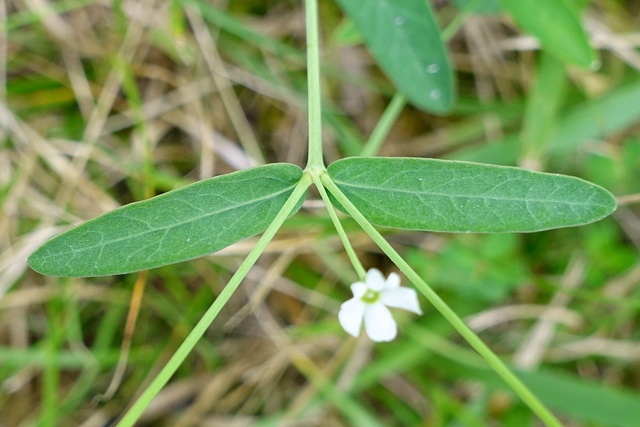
479	7
405	40
440	195
543	105
557	25
592	120
345	34
176	226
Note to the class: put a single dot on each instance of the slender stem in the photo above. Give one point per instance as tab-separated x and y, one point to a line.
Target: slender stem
201	327
357	265
315	160
50	399
492	359
129	328
459	19
385	124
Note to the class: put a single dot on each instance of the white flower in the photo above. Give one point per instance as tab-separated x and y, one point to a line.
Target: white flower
369	303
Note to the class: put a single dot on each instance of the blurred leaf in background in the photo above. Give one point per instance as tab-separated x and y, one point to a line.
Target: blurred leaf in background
484	269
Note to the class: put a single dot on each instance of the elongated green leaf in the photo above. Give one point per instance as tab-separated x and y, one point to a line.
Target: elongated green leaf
440	195
593	120
479	7
176	226
405	40
541	114
557	25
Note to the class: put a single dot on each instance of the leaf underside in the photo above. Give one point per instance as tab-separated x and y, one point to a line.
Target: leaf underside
440	195
176	226
405	39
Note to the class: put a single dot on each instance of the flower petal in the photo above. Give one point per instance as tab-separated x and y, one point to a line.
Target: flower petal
378	323
358	289
375	280
392	282
405	298
350	316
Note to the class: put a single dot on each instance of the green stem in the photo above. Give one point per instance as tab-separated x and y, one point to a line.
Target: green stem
51	371
357	265
207	319
492	359
455	24
315	160
385	124
130	88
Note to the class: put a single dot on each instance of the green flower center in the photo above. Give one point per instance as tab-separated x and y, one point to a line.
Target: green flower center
370	296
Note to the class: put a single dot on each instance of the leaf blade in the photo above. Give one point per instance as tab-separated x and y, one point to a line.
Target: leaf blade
405	39
440	195
176	226
565	37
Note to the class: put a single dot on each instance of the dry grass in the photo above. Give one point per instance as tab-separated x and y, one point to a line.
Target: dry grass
101	106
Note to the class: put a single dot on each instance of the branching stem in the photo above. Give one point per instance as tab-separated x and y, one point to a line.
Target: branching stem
492	359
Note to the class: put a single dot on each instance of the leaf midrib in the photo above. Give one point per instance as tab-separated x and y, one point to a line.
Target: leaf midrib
416	193
135	236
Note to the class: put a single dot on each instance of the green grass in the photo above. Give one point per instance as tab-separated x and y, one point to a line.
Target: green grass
83	132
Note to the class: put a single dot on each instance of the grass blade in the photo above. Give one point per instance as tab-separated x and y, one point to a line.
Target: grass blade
557	25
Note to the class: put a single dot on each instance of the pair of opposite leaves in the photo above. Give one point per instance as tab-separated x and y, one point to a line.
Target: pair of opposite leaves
407	193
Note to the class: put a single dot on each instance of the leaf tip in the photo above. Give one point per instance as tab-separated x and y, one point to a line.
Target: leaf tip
437	102
34	261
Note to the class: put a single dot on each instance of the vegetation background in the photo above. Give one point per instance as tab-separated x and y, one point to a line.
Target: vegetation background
106	102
